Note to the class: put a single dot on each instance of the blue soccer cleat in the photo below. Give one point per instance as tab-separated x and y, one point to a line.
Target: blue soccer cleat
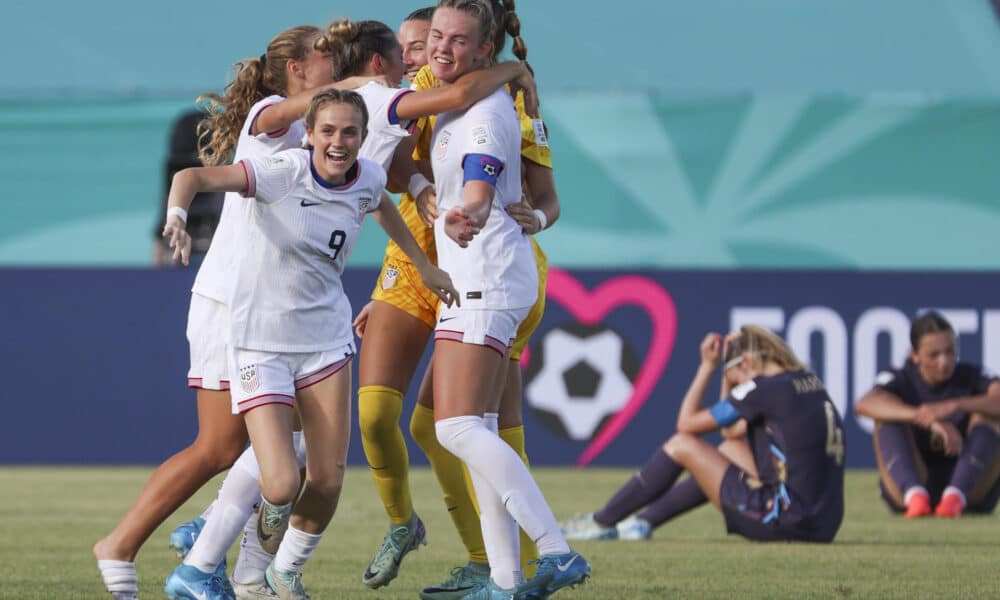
189	583
183	538
555	572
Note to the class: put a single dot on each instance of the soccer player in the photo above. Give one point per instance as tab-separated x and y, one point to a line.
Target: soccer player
786	482
290	321
476	162
936	428
256	116
401	319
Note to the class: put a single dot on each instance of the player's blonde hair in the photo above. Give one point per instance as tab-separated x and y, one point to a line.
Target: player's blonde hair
481	10
353	43
763	347
254	80
335	96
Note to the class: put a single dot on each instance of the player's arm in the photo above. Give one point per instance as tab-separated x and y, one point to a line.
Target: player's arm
405	176
279	116
692	417
539	206
987	404
436	280
883	405
185	185
466	91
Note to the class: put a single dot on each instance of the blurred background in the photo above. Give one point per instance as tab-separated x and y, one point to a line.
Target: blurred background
828	169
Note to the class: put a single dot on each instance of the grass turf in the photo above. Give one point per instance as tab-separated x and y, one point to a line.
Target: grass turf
50	517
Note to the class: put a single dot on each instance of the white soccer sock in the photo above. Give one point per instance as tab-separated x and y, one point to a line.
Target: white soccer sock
495	461
120	578
208	511
253	560
954	490
917	489
238	496
295	549
500	532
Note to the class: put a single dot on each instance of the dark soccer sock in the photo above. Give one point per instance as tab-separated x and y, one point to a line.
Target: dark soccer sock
653	479
678	500
977	454
896	450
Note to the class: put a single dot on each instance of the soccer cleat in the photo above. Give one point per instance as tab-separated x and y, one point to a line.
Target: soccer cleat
919	505
287	585
555	571
183	538
189	583
398	542
463	581
491	591
950	507
272	523
253	591
584	527
634	529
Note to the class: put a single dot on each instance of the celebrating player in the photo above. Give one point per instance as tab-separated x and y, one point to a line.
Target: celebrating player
936	428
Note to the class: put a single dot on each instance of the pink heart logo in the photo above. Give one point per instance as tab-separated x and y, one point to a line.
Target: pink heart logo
590	307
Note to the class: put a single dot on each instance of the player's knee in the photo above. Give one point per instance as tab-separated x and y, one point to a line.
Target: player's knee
379	409
217	454
679	444
280	488
327	485
422	430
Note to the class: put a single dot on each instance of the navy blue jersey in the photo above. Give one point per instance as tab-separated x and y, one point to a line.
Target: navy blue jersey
907	383
797	439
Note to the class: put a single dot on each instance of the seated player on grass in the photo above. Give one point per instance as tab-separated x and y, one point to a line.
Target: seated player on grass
783	482
937	428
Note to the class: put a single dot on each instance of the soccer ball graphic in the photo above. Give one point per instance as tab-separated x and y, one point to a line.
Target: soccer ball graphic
579	376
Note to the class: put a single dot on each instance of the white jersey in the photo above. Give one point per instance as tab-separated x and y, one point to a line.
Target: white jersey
214	276
287	295
383	134
497	270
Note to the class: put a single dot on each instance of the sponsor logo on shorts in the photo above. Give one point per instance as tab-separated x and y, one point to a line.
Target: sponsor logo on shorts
249	380
389	279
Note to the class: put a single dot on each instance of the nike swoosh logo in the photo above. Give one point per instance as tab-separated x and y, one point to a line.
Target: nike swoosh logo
443	319
201	596
567	565
369	574
308	203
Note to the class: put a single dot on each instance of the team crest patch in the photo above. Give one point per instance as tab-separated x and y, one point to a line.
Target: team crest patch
364	205
275	162
442	146
480	134
389	279
249	380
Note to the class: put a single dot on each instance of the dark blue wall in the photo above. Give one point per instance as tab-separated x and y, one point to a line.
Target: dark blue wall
94	362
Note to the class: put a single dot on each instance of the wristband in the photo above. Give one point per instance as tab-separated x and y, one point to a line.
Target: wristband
180	212
418	183
543	221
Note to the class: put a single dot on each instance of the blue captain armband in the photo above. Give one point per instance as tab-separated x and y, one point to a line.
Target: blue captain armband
481	167
724	413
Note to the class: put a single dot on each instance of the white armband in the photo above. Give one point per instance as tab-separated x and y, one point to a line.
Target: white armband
543	221
180	212
418	183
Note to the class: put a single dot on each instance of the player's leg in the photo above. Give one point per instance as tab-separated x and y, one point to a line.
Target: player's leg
499	475
324	402
400	321
975	473
902	470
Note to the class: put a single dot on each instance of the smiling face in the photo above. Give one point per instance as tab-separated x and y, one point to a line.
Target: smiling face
336	140
413	39
454	45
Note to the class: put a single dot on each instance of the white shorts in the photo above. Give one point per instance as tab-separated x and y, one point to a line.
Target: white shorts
273	377
495	329
207	331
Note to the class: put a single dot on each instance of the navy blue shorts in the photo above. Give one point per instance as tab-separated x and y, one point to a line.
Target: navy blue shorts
747	504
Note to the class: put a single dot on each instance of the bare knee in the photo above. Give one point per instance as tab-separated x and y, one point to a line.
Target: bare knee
280	488
217	453
327	486
679	446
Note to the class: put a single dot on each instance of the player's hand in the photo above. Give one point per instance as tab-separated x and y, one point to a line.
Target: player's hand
459	227
439	282
946	437
427	206
934	411
175	232
736	431
711	350
361	321
525	216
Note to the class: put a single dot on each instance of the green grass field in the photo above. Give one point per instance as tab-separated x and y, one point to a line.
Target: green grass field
50	517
